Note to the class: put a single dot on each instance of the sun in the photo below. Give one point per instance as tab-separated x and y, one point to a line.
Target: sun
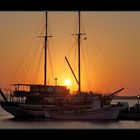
67	82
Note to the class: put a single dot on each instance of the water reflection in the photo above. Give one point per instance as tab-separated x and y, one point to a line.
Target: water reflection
60	124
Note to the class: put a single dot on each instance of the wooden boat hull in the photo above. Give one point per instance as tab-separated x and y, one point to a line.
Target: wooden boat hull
23	111
109	113
43	111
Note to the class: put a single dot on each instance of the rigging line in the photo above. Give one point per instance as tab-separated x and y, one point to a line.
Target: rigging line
24	76
39	65
25	64
75	37
100	64
63	69
30	63
68	53
73	33
36	61
71	48
50	54
49	27
19	65
51	66
52	51
75	42
85	69
75	56
23	57
75	28
104	56
111	67
93	64
85	66
104	68
36	45
83	24
75	65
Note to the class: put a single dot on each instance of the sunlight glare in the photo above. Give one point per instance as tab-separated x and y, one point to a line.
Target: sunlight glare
67	82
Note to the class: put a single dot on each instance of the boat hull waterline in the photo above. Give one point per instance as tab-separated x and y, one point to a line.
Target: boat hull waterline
42	111
110	113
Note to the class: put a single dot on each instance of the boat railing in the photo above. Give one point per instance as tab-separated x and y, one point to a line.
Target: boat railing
10	97
17	99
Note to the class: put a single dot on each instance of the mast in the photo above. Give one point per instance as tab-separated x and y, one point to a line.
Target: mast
45	48
79	54
45	51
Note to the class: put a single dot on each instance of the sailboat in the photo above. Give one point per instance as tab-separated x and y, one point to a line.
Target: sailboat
56	102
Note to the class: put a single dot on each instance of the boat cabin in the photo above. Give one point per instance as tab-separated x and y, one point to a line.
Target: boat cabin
39	94
40	89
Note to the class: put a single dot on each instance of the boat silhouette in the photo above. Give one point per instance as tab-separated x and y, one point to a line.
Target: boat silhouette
55	101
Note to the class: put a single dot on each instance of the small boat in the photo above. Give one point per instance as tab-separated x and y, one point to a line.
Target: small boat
56	102
129	113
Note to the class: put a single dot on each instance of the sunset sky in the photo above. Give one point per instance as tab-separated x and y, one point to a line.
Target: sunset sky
110	54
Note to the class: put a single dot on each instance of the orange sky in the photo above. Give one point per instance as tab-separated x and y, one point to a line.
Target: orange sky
110	55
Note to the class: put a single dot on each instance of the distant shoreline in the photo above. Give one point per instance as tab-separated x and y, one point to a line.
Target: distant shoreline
126	97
